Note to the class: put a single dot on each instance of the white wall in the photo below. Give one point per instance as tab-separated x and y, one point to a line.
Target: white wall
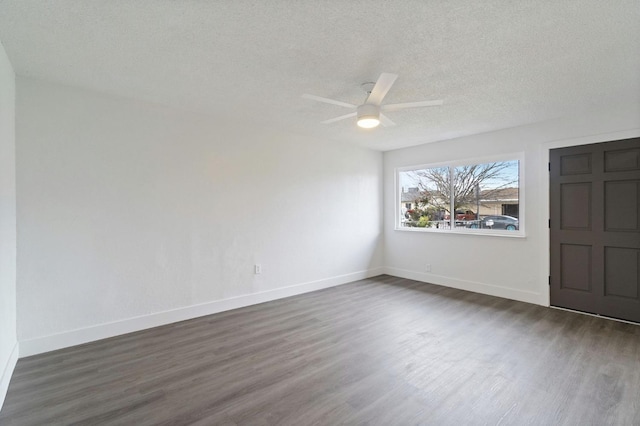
131	214
515	268
8	340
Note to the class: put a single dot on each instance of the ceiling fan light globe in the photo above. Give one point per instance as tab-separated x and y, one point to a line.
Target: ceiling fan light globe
368	122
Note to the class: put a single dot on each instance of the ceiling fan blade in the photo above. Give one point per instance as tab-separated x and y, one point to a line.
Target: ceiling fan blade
328	101
379	91
395	107
342	117
385	121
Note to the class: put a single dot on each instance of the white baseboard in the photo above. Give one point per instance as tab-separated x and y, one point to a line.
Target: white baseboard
476	287
8	372
102	331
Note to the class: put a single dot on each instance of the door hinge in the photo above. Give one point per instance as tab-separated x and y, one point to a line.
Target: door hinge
549	279
549	165
549	223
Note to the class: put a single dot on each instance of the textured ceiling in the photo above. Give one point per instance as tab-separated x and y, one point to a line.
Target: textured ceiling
495	63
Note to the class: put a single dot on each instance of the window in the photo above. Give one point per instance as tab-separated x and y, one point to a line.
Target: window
484	196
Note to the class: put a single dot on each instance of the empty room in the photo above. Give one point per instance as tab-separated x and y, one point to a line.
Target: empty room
319	213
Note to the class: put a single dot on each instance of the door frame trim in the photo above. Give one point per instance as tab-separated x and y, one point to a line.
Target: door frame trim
545	206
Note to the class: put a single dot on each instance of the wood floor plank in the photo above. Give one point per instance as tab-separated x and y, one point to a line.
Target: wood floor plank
381	351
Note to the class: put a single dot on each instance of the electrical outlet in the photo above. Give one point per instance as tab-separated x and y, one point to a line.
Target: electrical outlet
257	269
428	267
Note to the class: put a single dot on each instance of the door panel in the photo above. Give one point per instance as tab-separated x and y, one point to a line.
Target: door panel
595	228
621	277
575	199
575	267
577	164
622	159
621	197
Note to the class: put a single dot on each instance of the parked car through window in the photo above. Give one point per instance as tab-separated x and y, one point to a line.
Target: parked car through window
509	223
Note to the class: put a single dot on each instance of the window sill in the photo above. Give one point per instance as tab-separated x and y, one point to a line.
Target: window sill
465	231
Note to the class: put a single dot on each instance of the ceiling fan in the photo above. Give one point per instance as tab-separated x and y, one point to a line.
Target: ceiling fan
370	112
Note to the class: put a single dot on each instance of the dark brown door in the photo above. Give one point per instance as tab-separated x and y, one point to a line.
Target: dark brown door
595	228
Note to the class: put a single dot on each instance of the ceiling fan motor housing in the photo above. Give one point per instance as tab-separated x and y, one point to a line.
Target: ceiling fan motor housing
368	111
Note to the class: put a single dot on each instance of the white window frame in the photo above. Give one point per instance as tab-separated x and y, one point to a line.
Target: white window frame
519	233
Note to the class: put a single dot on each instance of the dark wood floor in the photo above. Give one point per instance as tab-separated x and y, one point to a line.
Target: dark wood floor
384	351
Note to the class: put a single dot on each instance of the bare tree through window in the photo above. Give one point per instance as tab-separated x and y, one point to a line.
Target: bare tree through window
473	190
